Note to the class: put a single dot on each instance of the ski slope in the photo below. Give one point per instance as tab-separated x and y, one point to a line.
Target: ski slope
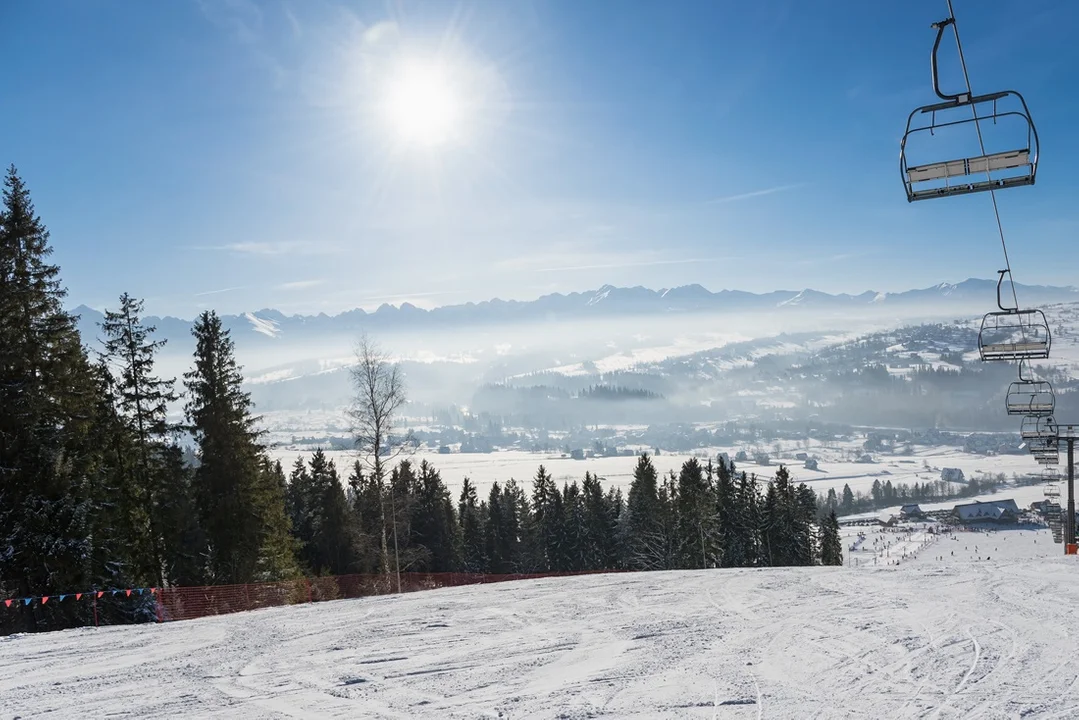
954	637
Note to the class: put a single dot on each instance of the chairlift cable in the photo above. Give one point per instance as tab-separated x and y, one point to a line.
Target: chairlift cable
981	144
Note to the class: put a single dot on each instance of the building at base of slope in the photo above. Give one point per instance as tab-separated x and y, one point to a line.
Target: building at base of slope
992	511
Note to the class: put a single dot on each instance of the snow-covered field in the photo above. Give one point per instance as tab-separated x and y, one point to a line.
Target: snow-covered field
834	469
954	637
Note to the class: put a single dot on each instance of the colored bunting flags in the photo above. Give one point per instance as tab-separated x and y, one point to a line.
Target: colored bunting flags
93	594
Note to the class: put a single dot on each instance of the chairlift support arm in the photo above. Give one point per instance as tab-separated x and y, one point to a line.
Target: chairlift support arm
959	98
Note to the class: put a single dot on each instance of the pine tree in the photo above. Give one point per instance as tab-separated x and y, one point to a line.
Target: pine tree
48	397
575	531
184	546
321	521
402	497
846	505
731	545
473	558
143	401
547	519
644	539
805	517
494	546
239	502
515	513
695	506
600	519
367	499
434	522
831	547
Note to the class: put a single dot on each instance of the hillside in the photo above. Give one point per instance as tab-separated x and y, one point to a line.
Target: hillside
957	637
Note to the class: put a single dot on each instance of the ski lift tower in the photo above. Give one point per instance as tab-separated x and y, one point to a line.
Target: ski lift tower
1069	434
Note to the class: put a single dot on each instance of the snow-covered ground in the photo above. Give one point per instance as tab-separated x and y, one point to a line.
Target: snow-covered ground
834	471
939	636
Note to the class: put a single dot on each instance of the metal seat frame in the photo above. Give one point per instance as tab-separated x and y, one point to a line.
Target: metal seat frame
1043	428
1016	320
1013	159
1030	397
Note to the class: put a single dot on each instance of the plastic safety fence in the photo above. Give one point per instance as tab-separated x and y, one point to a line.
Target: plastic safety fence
187	603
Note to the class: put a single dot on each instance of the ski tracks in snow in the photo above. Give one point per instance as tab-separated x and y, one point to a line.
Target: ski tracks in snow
922	640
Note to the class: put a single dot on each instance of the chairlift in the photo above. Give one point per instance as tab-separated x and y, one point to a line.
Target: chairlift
1052	491
1039	428
1013	334
1047	459
1016	165
1027	396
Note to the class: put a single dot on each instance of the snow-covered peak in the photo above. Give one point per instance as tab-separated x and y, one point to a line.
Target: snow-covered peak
265	326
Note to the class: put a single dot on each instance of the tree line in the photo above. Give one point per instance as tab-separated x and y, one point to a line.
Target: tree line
884	495
704	516
99	489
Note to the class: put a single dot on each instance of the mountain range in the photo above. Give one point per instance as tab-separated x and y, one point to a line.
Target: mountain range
268	325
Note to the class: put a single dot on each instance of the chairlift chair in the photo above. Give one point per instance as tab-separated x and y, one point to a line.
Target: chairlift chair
1013	334
1015	166
1052	491
1027	396
1040	428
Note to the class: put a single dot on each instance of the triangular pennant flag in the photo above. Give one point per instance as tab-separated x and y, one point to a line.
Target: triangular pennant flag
45	599
140	590
62	597
8	603
153	591
100	593
128	591
114	592
78	596
27	601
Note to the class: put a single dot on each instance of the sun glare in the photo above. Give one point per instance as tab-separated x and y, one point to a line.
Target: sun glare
422	105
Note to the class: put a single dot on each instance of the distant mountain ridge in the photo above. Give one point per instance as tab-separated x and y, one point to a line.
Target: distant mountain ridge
268	325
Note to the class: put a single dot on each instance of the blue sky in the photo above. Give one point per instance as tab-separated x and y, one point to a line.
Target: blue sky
235	154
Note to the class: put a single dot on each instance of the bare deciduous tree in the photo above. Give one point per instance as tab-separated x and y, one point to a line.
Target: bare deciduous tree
379	395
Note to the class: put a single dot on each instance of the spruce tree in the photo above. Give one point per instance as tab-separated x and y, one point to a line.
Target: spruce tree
547	520
695	507
473	558
805	525
322	523
142	400
48	397
367	499
494	531
434	522
239	502
600	519
846	505
731	546
749	520
644	541
831	547
575	531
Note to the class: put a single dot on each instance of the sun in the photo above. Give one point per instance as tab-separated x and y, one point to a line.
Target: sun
423	105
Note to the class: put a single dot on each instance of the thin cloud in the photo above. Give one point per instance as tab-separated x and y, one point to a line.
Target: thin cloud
755	193
300	284
638	263
218	292
243	21
273	248
407	296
